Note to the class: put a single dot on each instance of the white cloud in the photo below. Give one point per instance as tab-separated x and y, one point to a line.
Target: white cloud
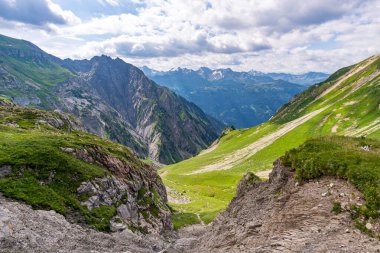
68	16
273	35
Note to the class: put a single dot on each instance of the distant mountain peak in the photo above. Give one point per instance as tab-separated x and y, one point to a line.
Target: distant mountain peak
217	75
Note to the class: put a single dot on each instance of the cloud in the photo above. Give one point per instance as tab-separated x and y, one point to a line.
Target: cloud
278	15
136	47
36	12
271	35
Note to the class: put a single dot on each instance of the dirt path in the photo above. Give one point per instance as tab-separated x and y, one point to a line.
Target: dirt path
236	157
210	149
366	130
346	76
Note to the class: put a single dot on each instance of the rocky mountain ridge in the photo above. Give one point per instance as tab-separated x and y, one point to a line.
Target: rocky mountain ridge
113	99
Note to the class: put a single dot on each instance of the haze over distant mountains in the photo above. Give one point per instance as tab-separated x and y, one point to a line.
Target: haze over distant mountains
241	99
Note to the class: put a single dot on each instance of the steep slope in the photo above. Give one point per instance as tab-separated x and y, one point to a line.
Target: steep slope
173	128
235	98
112	99
345	104
321	197
47	163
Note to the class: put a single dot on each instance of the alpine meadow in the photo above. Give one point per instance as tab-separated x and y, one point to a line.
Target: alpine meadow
210	126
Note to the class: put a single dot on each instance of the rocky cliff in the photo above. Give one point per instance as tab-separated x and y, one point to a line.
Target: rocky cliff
283	216
173	128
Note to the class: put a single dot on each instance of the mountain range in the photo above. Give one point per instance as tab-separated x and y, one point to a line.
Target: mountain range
305	79
112	98
307	180
240	99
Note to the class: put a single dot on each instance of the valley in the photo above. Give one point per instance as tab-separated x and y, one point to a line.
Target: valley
68	184
345	104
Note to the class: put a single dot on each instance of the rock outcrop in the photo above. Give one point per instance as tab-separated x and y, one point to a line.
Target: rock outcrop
137	193
93	183
281	215
23	229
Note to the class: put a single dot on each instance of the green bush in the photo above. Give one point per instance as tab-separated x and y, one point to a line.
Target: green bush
337	208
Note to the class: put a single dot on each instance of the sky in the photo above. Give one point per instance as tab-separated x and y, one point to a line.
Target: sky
292	36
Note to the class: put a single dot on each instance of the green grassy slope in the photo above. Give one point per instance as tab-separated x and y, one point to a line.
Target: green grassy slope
345	104
30	64
27	70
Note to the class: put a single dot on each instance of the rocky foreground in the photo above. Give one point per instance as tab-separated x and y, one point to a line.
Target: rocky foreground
23	229
279	215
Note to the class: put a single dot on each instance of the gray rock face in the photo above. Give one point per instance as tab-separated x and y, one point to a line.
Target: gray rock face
5	170
138	194
171	127
23	229
103	191
128	212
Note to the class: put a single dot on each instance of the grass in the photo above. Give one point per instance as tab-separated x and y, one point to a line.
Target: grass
211	192
31	63
337	208
99	217
344	158
184	219
44	73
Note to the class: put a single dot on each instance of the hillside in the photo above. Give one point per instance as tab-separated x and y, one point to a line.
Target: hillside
241	99
49	164
320	197
112	98
347	103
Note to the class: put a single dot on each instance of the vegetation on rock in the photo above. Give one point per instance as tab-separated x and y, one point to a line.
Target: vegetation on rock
44	160
354	159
